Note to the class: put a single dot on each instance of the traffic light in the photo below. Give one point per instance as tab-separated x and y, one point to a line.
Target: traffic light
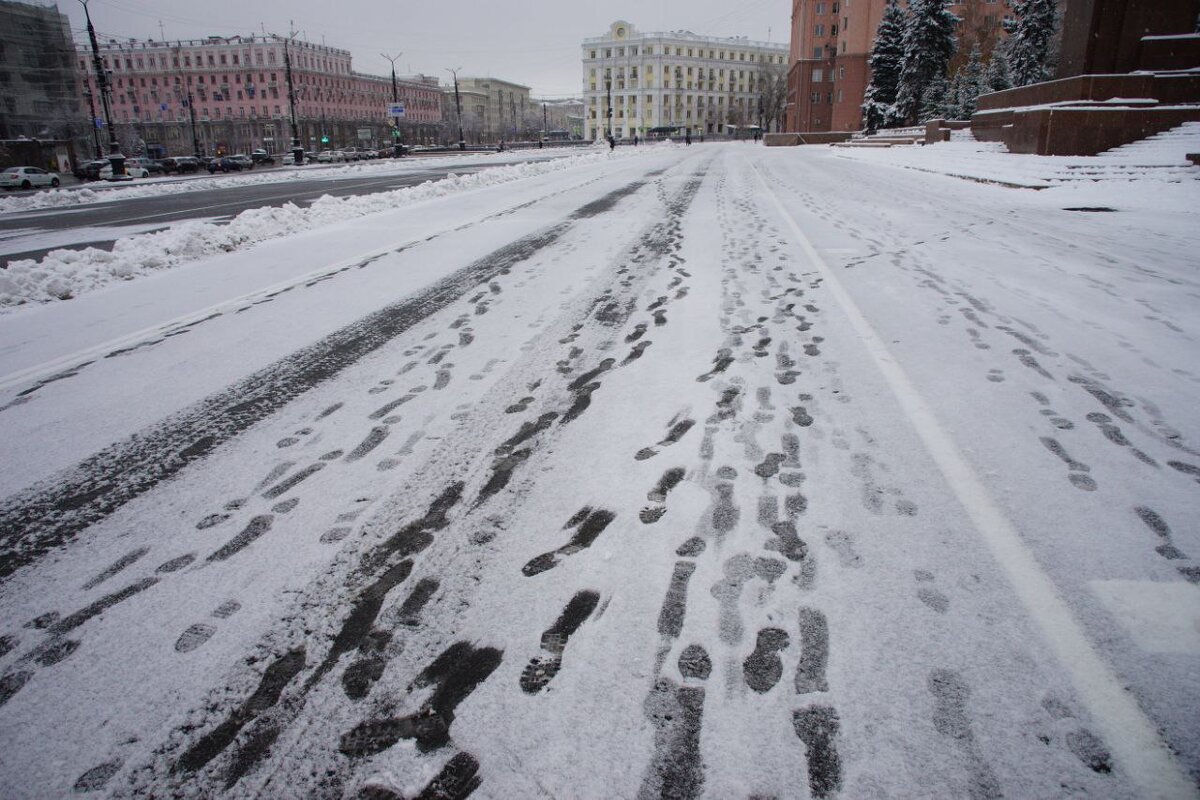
324	139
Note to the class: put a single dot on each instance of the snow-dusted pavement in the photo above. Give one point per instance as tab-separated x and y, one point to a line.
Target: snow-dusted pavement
695	472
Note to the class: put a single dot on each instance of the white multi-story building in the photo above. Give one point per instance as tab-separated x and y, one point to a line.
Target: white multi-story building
674	82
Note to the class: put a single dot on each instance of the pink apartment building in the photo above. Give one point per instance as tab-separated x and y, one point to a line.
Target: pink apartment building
238	88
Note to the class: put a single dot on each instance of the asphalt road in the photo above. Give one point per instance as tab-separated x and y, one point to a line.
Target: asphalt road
222	203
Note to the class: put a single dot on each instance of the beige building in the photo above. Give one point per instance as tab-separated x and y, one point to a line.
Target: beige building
676	80
494	109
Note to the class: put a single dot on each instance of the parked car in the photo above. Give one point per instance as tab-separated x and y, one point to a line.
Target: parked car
132	170
289	159
89	170
224	164
152	166
262	157
330	156
181	164
244	160
27	178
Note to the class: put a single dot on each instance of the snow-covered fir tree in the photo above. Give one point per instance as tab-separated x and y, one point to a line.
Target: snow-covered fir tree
936	100
887	53
995	78
1030	33
952	105
928	45
970	85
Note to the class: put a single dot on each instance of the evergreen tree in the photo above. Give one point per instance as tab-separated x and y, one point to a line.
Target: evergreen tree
971	84
935	100
1030	33
887	53
996	78
928	45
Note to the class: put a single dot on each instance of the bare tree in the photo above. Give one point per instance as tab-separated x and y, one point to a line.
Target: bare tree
772	95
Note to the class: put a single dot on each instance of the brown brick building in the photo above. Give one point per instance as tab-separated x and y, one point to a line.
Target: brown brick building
831	42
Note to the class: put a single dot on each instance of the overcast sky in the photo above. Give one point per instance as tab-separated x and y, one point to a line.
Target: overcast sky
534	42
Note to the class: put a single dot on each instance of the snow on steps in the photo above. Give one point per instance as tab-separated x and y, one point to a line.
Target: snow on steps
1160	158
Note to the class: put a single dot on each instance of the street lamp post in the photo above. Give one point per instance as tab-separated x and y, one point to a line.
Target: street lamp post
92	121
608	89
192	116
114	148
462	140
297	148
545	125
397	144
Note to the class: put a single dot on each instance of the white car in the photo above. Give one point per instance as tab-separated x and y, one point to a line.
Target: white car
27	178
131	170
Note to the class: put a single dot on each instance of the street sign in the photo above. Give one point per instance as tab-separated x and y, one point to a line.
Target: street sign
396	110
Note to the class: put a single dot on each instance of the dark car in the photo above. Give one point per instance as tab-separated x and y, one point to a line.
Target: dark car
89	170
181	164
244	160
262	157
224	164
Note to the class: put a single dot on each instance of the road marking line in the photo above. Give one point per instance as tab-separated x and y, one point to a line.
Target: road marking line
1127	731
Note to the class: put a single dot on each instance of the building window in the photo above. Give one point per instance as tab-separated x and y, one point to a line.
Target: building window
819	30
817	52
833	30
815	97
820	8
841	72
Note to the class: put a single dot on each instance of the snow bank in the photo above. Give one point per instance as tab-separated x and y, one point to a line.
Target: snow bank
63	274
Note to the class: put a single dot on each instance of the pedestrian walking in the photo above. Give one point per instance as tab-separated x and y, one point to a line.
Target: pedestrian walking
687	138
612	142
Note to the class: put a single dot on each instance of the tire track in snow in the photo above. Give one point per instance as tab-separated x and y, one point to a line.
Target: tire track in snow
56	509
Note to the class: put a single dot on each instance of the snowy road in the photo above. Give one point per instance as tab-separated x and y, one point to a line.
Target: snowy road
701	472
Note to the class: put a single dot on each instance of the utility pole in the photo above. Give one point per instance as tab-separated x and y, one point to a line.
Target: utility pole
397	143
114	148
297	148
462	141
545	124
